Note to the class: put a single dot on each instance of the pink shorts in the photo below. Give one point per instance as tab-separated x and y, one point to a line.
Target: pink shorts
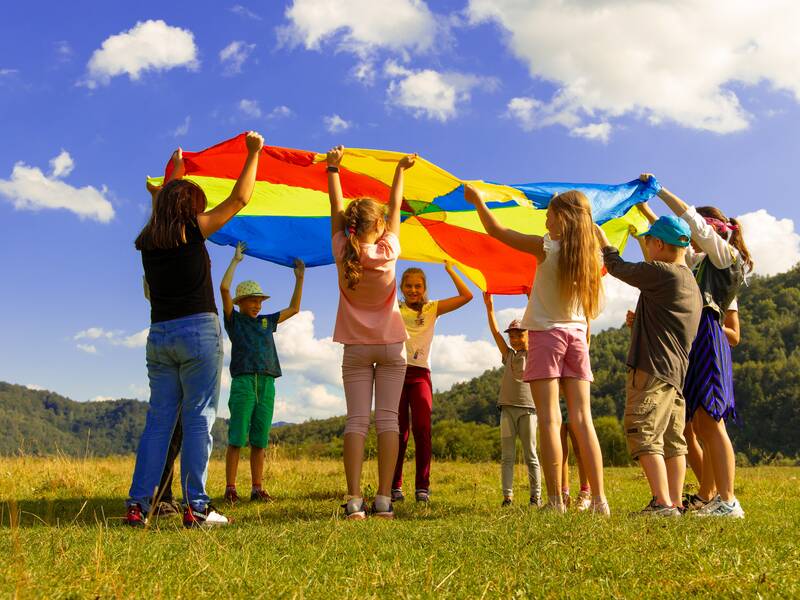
556	354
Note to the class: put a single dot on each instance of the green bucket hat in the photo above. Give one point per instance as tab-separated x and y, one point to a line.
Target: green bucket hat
248	288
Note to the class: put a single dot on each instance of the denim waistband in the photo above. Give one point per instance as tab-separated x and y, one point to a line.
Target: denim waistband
180	323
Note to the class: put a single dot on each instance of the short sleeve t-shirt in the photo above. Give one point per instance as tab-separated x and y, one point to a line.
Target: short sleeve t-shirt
369	314
513	390
420	326
179	278
252	345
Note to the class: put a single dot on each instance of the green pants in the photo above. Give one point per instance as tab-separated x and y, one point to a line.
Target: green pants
251	403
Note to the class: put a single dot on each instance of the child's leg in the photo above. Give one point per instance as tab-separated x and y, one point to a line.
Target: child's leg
583	477
358	375
580	418
165	485
421	401
695	452
708	486
231	465
508	449
676	475
404	425
390	374
545	396
260	426
656	472
716	442
527	435
565	457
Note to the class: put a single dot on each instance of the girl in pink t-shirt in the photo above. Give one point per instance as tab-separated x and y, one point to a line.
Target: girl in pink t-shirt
368	322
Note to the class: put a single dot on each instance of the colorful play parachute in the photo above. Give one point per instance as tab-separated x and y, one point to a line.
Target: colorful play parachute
289	213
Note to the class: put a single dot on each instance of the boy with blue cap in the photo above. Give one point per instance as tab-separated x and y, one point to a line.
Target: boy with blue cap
665	324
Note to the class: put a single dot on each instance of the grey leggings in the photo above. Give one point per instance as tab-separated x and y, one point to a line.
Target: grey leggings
517	421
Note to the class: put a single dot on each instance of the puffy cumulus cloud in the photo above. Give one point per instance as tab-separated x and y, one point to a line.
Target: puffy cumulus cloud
658	60
336	124
506	315
431	94
29	188
88	348
454	358
234	55
318	359
309	402
619	299
250	108
115	338
280	112
773	243
102	399
34	387
148	46
360	26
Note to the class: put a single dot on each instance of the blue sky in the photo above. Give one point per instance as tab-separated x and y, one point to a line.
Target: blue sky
504	91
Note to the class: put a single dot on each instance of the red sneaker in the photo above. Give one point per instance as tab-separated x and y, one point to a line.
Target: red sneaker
135	517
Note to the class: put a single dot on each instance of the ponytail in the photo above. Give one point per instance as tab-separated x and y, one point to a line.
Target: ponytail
736	238
361	216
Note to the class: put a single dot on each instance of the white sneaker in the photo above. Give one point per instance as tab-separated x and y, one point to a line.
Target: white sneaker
584	501
203	518
719	508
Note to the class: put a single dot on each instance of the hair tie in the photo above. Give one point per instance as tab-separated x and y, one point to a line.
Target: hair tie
351	230
720	226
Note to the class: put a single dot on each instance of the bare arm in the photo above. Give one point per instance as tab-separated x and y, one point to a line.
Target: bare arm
532	244
333	160
396	195
731	327
227	279
648	212
674	203
498	337
211	221
294	303
464	294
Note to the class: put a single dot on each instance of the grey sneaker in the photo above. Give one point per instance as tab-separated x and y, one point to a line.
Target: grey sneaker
506	502
397	495
654	509
719	508
693	502
422	496
355	510
558	509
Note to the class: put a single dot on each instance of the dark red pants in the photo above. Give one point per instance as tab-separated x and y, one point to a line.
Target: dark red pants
418	397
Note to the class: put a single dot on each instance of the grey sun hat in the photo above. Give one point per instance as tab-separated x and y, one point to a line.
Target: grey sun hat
248	288
515	325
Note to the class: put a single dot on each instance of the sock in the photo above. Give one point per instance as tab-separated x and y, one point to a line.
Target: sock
565	491
598	501
230	487
383	503
586	488
555	500
354	503
255	488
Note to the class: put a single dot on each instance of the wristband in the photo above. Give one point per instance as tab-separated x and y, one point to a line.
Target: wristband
332	169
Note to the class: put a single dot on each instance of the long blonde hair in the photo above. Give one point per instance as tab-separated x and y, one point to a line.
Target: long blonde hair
579	260
361	216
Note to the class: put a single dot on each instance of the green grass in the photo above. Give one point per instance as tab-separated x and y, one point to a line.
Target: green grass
62	537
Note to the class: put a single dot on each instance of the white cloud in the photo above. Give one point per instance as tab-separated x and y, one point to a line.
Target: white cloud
661	61
136	340
94	333
532	114
250	108
62	164
506	315
619	299
63	51
7	72
336	124
360	26
243	11
102	399
183	128
29	188
454	358
115	338
308	402
318	359
234	55
88	348
280	112
148	46
593	131
364	72
428	93
34	387
773	243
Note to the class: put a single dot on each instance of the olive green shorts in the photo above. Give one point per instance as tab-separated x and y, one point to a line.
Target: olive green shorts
251	403
655	415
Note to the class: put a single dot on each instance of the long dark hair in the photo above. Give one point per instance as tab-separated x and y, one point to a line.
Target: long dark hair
737	238
177	205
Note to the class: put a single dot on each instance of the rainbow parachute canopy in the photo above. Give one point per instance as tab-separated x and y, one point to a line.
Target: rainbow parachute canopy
288	215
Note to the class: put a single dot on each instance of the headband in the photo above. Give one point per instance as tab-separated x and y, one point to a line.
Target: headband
720	226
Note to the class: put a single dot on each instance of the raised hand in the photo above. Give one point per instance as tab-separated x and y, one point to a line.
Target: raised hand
407	161
238	256
645	177
472	195
299	268
334	157
178	166
254	142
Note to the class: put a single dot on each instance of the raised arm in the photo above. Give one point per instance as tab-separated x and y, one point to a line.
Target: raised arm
396	196
227	279
532	244
498	337
464	294
294	303
333	160
211	221
674	203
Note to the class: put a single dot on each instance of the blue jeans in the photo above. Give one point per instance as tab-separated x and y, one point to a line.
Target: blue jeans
184	364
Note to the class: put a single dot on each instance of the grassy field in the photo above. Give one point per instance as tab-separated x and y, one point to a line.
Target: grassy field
62	537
